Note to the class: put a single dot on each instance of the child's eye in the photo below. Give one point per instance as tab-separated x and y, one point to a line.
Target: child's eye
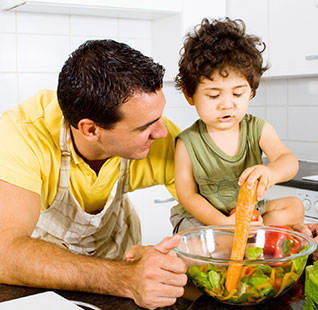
237	95
213	96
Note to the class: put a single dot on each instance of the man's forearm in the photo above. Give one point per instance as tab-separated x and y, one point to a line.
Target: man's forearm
32	262
153	280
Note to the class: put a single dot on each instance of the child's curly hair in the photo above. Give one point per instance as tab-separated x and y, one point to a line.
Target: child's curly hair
217	45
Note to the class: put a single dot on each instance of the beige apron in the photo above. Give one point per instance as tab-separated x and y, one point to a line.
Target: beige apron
108	234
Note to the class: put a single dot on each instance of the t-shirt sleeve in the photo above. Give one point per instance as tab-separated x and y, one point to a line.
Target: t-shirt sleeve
18	163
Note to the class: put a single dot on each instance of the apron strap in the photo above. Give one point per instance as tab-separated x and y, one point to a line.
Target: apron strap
65	155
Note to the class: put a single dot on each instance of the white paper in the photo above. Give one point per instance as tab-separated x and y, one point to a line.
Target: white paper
42	301
311	178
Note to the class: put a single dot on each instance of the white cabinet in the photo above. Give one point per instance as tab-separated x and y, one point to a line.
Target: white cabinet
140	9
168	32
288	28
166	43
255	15
293	26
153	206
194	11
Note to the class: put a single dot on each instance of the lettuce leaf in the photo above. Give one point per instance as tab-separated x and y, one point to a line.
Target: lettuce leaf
253	253
311	287
216	279
300	262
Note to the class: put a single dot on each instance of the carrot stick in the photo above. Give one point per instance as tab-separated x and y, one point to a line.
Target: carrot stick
244	210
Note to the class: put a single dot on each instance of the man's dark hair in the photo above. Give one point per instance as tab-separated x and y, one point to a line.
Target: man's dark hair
100	76
216	46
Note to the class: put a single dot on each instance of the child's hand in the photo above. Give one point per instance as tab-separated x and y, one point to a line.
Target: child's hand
256	219
259	222
260	172
230	219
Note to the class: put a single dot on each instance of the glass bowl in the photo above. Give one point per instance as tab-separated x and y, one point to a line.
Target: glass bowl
274	260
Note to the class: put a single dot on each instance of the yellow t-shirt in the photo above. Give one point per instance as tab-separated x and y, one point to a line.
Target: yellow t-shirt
30	157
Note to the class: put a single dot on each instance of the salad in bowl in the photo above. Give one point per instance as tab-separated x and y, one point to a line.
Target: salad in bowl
274	259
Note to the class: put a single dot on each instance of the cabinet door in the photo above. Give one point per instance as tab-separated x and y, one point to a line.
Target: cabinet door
195	11
293	37
156	215
153	207
255	16
168	32
166	43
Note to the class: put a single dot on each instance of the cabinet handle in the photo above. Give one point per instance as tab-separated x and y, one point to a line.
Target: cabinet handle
163	200
311	57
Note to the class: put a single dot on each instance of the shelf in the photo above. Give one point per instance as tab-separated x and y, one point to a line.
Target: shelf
137	9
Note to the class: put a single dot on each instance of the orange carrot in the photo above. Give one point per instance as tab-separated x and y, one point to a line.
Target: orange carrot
244	210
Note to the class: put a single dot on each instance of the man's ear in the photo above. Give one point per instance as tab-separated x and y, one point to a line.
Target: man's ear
89	129
188	98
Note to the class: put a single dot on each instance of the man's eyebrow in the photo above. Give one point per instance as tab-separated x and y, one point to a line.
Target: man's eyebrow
147	124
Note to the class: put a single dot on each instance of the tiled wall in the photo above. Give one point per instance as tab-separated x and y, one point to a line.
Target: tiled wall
290	105
33	47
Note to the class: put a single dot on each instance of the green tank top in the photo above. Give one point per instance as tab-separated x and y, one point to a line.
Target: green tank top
215	172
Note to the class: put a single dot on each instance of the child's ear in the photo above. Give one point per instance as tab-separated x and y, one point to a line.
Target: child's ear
188	98
252	94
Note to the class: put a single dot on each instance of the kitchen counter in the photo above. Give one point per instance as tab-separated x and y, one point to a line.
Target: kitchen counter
105	302
292	300
306	168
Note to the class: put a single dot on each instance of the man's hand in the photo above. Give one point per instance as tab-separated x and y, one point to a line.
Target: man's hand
158	277
136	252
310	230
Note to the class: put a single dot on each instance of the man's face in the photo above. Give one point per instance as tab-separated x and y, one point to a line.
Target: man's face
142	123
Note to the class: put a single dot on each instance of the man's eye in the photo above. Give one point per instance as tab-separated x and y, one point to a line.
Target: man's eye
143	128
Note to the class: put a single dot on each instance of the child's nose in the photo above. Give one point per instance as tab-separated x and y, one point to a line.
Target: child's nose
226	103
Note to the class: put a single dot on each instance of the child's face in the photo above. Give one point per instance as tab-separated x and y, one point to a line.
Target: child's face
223	101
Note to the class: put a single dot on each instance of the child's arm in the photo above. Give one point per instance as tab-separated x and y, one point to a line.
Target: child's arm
282	167
188	195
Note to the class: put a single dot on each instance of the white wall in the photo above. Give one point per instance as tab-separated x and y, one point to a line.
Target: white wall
33	47
290	105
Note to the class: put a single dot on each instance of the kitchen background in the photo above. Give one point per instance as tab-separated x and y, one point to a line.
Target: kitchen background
36	38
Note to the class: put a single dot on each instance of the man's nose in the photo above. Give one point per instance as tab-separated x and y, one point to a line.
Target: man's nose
160	130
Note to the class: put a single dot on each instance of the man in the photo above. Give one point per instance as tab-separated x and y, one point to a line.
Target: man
66	165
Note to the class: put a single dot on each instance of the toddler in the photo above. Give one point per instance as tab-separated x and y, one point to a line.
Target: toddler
219	71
